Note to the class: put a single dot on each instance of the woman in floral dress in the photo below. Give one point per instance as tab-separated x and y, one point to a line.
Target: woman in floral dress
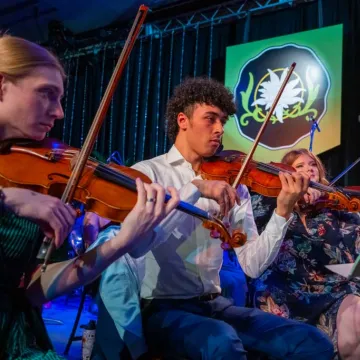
297	285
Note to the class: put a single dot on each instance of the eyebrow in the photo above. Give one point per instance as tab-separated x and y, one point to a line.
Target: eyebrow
54	88
214	113
302	163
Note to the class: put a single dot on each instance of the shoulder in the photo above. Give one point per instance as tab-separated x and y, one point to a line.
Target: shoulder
153	167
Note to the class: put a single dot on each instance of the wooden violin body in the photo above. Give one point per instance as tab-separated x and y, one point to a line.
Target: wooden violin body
107	190
46	167
263	179
227	165
334	201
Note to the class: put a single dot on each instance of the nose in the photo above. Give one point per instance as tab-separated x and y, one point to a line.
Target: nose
219	127
57	111
309	169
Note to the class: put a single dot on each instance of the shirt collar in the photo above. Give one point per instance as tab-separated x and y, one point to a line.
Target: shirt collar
174	157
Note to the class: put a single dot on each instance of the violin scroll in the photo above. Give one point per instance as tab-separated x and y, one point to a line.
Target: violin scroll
335	201
236	239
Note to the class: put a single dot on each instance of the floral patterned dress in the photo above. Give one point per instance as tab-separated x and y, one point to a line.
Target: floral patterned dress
297	285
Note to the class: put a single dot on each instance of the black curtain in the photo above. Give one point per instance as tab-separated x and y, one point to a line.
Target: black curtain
135	124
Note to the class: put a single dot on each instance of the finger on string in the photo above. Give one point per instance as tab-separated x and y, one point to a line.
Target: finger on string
290	182
141	192
283	180
174	201
150	197
160	199
298	181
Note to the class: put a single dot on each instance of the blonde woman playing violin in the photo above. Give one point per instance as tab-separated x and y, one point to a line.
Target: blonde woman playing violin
297	285
31	88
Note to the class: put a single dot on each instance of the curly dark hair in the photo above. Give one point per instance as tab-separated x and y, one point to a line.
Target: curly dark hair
192	91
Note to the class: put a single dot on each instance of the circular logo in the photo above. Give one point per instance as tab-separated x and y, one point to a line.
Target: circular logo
304	97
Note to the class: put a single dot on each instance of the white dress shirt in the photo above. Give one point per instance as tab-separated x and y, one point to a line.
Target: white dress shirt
187	261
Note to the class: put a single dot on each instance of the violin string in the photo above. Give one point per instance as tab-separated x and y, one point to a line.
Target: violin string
272	169
123	179
349	191
69	154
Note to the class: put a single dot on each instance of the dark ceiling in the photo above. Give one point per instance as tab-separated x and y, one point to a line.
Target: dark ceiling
72	24
31	18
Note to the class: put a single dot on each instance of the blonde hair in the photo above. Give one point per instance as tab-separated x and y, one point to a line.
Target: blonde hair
292	155
19	56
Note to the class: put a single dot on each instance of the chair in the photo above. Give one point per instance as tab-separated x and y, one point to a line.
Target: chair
92	287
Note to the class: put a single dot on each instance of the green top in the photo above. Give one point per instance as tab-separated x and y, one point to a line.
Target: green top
22	331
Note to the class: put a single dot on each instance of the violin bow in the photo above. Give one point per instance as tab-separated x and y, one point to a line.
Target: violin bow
263	127
333	181
48	244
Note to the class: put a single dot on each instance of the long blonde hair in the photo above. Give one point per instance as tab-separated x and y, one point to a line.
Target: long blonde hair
19	56
292	155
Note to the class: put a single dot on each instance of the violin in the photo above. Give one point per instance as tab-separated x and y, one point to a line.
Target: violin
107	190
263	179
350	190
260	177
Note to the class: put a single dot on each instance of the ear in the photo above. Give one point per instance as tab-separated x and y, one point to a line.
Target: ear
183	121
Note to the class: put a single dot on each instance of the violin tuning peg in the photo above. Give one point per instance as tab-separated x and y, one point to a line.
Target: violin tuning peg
225	246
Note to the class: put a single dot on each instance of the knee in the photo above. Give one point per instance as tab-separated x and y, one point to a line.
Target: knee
224	343
312	342
323	345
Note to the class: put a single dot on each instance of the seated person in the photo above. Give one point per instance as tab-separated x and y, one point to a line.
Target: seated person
298	285
184	313
31	88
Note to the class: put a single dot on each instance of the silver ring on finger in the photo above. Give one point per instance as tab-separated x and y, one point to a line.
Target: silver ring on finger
151	200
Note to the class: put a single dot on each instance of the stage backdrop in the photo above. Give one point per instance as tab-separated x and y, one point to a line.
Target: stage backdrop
255	71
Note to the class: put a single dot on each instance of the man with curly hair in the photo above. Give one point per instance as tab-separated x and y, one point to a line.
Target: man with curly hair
184	313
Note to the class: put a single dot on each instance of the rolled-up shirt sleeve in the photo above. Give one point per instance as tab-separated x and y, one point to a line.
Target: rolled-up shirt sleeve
261	250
